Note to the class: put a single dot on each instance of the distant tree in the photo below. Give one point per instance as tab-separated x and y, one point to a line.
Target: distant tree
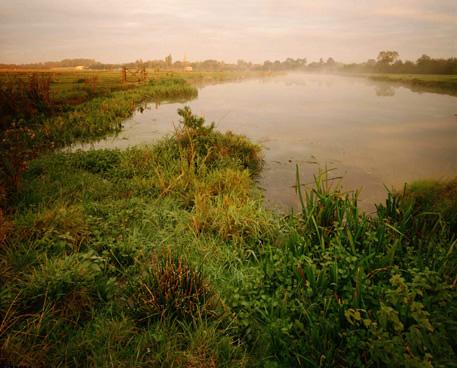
178	64
243	65
397	67
168	60
302	62
267	65
387	57
408	66
423	60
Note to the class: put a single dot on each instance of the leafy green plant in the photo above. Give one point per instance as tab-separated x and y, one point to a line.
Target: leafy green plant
343	289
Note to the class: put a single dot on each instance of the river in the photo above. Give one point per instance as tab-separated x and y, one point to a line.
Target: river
373	134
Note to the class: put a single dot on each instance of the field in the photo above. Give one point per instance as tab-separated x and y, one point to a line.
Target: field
166	256
69	86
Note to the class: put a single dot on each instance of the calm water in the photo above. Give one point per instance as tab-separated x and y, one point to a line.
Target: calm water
372	133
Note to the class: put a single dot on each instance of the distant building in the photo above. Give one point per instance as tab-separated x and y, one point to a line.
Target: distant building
80	67
186	64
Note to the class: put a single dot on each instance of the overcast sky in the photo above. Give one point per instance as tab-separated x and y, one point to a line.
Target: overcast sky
257	30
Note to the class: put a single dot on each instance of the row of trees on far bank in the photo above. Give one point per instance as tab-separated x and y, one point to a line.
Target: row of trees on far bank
390	62
386	62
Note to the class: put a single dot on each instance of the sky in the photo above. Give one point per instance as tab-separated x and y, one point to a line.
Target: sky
116	31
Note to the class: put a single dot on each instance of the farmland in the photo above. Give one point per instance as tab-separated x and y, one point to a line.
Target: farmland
70	86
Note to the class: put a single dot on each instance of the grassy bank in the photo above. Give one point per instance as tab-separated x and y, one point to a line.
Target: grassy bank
446	84
165	256
32	123
73	87
41	110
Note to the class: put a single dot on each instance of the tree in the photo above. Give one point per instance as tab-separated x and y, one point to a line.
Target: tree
242	64
302	61
423	60
168	60
387	57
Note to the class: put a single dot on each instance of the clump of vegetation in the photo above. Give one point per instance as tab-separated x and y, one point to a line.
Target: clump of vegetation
24	98
437	198
170	288
194	123
343	289
193	133
171	88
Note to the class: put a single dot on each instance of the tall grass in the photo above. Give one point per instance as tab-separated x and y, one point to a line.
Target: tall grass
345	289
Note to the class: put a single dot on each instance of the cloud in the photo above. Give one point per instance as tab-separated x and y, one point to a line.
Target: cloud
116	31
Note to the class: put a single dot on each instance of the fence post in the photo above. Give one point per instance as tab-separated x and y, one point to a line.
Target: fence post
124	74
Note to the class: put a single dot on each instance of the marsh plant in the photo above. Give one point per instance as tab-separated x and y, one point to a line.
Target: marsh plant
171	288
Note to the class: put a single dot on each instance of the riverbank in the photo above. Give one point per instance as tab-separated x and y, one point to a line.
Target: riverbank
45	110
446	84
73	87
165	255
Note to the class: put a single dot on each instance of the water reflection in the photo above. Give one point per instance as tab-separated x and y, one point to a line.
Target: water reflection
384	90
318	120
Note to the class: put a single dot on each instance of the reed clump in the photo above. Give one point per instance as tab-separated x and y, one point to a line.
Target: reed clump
171	288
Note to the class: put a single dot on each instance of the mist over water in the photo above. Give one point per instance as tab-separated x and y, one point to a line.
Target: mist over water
372	133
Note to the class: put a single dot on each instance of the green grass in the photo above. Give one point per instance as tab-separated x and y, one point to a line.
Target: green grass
30	132
421	82
44	110
85	255
165	255
436	197
74	86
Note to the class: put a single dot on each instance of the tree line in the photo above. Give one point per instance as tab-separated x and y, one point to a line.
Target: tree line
386	62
